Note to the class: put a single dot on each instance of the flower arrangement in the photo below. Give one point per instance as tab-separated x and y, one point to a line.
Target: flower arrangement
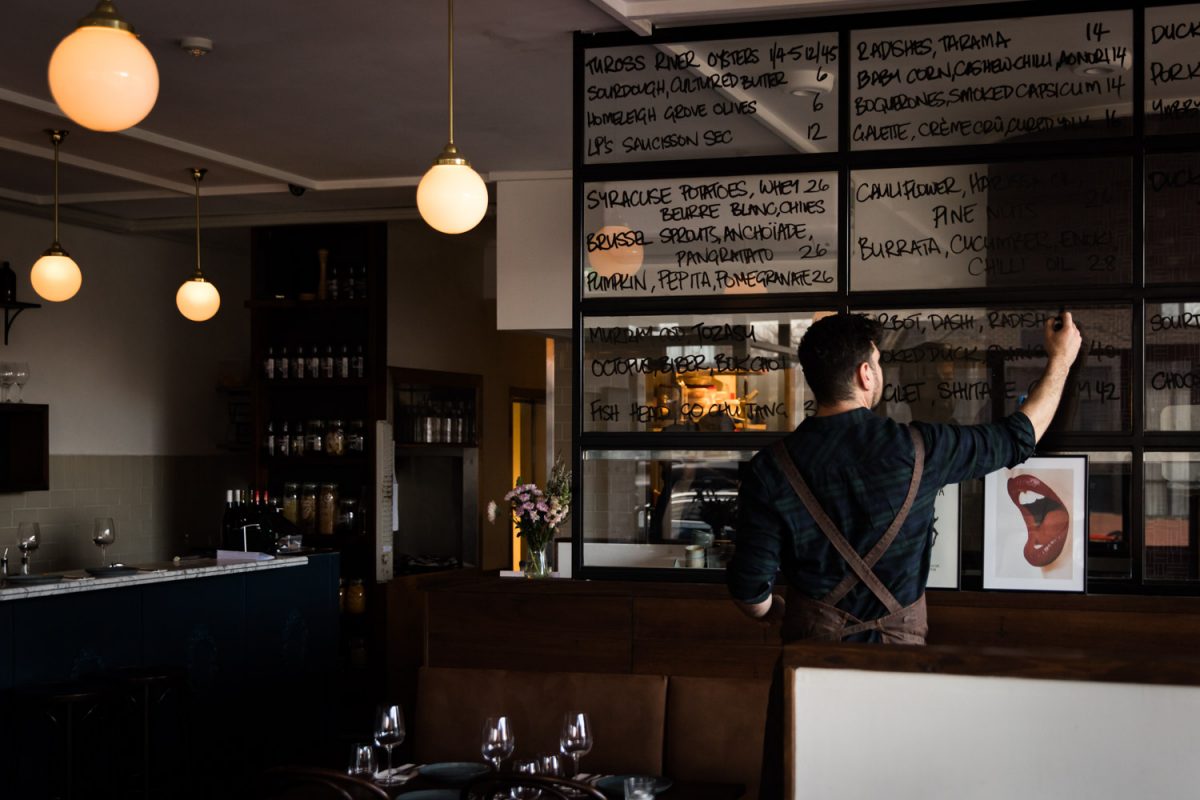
537	512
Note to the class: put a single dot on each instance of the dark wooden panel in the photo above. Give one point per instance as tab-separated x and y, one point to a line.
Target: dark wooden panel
697	619
703	659
6	645
530	631
68	636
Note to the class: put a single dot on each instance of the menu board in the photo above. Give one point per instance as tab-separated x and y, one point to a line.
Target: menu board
732	97
689	372
1173	366
991	81
1173	69
975	365
1172	236
1023	223
742	234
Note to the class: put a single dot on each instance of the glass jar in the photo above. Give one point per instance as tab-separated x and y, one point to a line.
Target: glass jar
335	438
356	440
316	435
356	597
291	502
347	519
327	501
308	508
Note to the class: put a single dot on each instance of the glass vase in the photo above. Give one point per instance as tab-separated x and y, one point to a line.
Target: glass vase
537	562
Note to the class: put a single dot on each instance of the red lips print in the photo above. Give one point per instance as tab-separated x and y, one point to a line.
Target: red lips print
1047	520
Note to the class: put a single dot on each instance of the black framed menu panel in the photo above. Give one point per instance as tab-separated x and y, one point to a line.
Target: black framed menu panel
959	174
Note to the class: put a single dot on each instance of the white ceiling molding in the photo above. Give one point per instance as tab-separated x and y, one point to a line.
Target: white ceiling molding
621	12
643	16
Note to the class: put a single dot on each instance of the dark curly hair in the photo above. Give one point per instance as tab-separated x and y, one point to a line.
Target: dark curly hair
831	351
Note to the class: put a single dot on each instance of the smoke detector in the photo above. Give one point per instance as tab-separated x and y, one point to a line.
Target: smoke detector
196	45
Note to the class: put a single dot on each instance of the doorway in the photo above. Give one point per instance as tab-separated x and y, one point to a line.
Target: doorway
528	433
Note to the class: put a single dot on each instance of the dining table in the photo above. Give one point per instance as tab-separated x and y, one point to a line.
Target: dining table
678	790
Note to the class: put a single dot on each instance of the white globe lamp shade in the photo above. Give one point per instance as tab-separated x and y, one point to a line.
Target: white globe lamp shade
452	198
103	78
624	257
198	300
56	277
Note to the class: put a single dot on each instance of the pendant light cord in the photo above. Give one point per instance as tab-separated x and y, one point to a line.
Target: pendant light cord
197	175
56	137
450	49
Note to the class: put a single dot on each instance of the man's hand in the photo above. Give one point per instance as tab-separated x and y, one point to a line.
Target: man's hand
769	611
1062	347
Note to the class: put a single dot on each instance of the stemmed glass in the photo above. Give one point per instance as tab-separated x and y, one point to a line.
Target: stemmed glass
530	766
576	737
28	539
20	377
8	375
498	740
104	533
389	733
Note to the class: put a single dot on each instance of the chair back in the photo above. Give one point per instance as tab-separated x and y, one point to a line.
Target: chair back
314	783
557	788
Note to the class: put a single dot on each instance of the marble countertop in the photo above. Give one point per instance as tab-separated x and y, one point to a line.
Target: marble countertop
80	581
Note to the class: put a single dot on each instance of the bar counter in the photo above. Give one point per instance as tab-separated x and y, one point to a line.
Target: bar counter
188	569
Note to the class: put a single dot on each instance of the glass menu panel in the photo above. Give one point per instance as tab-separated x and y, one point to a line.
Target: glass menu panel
996	80
661	508
1172	516
973	365
1172	237
732	97
1173	366
1172	69
1030	223
702	237
686	372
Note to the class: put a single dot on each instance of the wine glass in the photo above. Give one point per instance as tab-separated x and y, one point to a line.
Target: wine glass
389	733
7	375
576	737
20	377
104	533
498	740
362	762
529	766
28	539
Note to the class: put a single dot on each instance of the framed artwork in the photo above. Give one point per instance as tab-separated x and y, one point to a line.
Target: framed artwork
1035	525
943	561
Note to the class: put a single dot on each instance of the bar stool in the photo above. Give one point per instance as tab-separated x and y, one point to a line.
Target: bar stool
66	738
151	711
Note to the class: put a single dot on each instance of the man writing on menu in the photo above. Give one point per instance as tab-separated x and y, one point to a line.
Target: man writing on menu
845	503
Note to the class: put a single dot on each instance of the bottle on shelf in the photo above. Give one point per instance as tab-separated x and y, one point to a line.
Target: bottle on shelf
269	364
229	518
323	265
298	439
356	440
327	363
283	441
308	508
300	366
314	363
282	364
358	365
269	440
327	504
331	285
335	438
360	283
342	365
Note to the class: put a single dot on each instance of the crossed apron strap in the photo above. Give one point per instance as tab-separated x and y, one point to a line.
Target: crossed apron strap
861	567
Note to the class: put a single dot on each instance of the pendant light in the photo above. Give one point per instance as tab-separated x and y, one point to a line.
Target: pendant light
452	197
55	276
101	76
197	299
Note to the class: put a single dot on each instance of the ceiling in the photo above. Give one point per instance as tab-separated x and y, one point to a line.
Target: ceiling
348	106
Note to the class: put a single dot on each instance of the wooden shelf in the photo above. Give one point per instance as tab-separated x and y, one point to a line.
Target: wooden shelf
295	384
355	461
310	305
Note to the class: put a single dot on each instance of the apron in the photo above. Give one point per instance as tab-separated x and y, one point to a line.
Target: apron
822	620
